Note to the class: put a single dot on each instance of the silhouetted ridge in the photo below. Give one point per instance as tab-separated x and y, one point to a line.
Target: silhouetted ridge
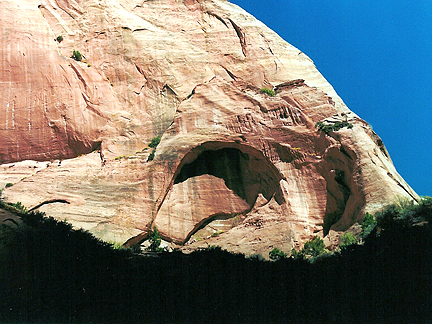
52	273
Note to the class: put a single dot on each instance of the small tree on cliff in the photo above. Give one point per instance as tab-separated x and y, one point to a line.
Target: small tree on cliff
277	254
312	248
155	240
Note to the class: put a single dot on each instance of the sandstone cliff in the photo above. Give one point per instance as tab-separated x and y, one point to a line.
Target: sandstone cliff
235	167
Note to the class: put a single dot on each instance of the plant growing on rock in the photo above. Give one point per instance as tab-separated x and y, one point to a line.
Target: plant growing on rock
117	245
369	223
268	91
155	141
19	206
153	144
155	240
76	55
277	254
59	38
328	128
347	239
312	249
152	155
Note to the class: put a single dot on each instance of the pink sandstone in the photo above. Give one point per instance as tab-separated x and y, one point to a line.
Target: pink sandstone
235	167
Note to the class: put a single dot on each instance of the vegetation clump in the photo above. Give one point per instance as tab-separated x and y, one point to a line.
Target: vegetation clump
9	184
155	241
328	128
155	142
311	249
76	55
277	254
50	273
404	214
368	225
18	206
152	155
268	91
347	239
59	38
314	247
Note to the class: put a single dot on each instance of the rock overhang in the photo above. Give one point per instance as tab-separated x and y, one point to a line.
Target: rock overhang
223	179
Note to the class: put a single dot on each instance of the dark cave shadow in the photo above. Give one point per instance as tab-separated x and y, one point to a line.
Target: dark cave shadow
229	164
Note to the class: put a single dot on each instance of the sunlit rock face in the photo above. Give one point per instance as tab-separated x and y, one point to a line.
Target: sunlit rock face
236	167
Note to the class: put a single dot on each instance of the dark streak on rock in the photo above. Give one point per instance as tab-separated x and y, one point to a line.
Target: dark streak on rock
51	201
240	35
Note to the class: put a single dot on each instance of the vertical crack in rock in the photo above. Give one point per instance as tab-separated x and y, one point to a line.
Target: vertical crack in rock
241	36
401	186
267	43
218	18
141	71
164	110
344	194
79	76
232	76
90	107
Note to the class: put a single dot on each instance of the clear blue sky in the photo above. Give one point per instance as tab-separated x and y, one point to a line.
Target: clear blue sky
378	57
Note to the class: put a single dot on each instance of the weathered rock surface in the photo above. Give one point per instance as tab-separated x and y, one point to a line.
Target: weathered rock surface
235	167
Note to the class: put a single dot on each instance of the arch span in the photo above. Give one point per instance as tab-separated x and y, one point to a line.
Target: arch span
216	180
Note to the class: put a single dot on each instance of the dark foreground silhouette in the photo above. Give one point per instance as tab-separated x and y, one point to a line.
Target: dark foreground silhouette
53	274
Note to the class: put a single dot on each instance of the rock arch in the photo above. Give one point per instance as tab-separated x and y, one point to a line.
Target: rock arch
216	180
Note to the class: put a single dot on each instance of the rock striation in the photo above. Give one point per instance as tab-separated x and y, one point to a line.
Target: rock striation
235	167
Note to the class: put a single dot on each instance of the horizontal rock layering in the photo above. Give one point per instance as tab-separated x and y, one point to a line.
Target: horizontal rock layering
236	167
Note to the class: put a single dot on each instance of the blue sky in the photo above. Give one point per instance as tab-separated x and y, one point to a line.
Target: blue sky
378	57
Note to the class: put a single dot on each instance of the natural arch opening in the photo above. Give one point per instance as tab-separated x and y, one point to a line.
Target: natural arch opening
216	181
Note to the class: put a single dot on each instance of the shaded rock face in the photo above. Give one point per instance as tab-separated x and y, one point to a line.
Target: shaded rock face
217	184
235	167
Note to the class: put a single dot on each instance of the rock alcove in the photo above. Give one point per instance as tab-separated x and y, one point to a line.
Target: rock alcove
216	181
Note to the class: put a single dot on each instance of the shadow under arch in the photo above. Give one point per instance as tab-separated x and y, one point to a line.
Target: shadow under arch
244	169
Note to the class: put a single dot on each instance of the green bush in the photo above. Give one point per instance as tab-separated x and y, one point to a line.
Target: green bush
9	184
155	240
404	214
76	55
268	91
401	215
314	247
59	38
155	142
328	128
277	254
19	206
297	254
152	155
217	233
369	223
256	257
347	239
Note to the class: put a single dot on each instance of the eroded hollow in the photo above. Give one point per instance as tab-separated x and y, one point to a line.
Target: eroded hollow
216	181
229	164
